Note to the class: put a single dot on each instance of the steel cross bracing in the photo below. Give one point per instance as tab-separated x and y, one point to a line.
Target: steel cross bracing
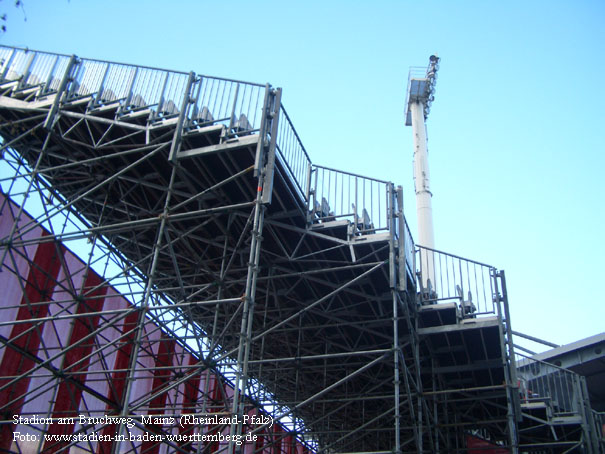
171	249
204	226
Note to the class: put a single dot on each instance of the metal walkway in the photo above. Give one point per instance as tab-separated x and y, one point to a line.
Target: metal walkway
291	285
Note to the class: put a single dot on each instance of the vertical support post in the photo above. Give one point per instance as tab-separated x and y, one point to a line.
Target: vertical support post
264	170
508	360
435	407
511	351
589	427
420	397
391	200
243	353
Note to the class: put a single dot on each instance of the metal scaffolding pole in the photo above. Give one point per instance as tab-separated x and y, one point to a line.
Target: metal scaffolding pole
248	298
145	303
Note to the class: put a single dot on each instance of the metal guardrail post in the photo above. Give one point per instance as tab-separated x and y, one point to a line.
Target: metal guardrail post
130	93
391	200
50	118
73	87
27	70
232	116
308	182
272	115
178	132
161	100
355	216
97	98
313	192
309	191
401	238
51	74
262	139
512	390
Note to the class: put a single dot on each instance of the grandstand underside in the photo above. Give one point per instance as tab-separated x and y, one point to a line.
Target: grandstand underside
169	249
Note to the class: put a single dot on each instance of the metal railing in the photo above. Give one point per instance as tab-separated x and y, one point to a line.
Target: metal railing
540	381
133	87
233	103
599	419
450	278
32	68
293	154
410	248
336	195
565	395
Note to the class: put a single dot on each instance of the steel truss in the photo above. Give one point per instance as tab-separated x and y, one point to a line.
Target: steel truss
170	249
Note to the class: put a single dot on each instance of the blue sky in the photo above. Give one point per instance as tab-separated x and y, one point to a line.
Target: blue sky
515	147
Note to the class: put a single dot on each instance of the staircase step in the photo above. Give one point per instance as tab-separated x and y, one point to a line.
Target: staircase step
438	315
533	405
566	420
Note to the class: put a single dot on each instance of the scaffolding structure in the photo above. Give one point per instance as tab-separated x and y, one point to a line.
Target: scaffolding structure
177	269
